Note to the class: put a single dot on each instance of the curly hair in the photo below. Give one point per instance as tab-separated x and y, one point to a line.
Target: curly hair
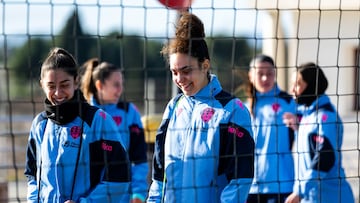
189	38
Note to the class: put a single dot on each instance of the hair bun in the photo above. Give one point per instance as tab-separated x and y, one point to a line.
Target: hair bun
189	27
189	38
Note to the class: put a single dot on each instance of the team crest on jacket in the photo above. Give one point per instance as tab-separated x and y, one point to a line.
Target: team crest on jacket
276	107
207	114
178	112
117	119
102	114
324	117
240	104
75	132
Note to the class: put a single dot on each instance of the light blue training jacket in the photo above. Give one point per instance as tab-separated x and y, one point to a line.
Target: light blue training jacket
320	177
99	173
274	164
128	121
204	149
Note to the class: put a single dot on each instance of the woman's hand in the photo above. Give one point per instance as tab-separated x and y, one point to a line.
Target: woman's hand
293	198
291	121
69	201
136	200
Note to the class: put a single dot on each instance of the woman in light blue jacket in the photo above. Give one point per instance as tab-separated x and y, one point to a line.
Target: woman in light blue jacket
204	146
274	164
74	152
319	177
102	84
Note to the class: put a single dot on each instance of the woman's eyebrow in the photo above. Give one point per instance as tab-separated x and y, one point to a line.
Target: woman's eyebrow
182	68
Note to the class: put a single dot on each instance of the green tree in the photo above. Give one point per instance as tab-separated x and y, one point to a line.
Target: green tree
73	39
25	63
230	57
138	56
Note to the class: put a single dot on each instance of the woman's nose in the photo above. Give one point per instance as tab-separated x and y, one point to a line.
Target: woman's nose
263	77
57	91
179	78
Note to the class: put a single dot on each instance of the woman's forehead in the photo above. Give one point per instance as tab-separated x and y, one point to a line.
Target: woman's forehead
179	61
56	74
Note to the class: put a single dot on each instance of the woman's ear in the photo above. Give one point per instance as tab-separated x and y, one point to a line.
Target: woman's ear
206	65
77	82
250	75
98	85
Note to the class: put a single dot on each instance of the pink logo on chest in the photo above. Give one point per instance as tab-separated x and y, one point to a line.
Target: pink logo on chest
117	119
276	107
75	132
324	117
178	112
207	114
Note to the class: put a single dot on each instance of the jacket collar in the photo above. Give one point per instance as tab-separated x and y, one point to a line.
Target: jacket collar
210	90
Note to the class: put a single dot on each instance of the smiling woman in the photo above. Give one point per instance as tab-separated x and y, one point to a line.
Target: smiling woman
59	84
208	156
70	132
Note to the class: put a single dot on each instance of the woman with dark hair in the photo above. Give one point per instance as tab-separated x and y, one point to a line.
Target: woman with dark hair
274	164
204	150
319	175
74	152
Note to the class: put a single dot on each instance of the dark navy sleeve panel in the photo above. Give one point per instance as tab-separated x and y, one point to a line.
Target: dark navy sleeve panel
30	164
224	97
287	97
321	152
123	105
159	146
325	107
89	113
236	152
158	159
291	138
137	144
38	125
137	149
108	160
38	119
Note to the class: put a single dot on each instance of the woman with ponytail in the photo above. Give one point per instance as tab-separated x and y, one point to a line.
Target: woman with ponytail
74	152
204	150
274	165
102	84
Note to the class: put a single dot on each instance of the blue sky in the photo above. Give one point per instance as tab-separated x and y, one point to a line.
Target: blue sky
142	17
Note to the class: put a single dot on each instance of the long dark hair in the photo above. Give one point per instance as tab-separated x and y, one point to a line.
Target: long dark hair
316	81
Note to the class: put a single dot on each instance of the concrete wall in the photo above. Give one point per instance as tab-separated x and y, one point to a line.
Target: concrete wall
326	33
